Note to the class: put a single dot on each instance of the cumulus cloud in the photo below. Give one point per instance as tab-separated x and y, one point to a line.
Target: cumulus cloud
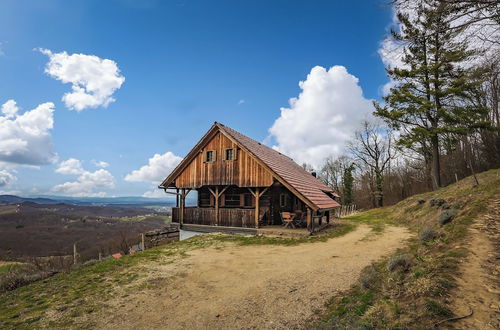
93	79
322	118
26	139
70	166
86	183
159	166
6	178
100	164
240	102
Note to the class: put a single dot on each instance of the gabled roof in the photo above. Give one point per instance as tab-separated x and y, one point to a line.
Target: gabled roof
305	186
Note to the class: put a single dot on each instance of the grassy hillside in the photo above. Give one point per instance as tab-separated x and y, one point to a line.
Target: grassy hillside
411	289
414	291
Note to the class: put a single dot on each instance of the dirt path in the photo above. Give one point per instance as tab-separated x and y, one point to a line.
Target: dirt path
251	287
479	286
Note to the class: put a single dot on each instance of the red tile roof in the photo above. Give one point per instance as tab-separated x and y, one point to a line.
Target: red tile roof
288	170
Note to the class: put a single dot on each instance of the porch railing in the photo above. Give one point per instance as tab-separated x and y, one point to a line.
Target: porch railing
231	217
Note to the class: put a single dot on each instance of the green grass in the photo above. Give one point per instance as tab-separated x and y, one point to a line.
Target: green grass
86	289
416	298
336	230
9	267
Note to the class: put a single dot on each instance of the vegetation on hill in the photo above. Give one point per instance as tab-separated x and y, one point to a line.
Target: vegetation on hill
408	288
411	289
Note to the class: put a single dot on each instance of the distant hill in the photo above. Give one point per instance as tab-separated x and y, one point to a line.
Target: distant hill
101	201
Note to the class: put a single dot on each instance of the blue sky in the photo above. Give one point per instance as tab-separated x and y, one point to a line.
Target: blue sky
186	64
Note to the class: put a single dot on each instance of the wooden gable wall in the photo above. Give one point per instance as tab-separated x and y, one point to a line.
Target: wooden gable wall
244	171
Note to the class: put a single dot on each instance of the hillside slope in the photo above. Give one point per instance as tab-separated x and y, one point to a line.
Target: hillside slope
238	281
448	271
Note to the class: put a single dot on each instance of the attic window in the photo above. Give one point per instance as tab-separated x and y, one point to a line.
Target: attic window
210	156
230	154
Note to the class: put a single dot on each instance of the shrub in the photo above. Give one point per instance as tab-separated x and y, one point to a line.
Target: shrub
20	277
402	261
447	216
427	234
369	277
436	309
437	202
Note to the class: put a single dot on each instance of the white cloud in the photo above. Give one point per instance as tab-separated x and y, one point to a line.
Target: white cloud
94	80
159	166
101	164
155	193
240	102
6	178
322	118
70	166
26	139
87	182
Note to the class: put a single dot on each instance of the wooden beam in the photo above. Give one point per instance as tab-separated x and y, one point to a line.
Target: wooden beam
263	191
177	197
183	204
257	198
250	189
216	205
309	219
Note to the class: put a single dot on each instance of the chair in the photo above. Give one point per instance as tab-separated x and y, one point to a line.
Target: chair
300	219
287	219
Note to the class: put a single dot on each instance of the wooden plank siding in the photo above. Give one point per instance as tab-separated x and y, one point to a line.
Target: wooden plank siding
230	217
244	171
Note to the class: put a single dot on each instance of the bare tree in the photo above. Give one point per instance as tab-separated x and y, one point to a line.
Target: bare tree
332	172
373	148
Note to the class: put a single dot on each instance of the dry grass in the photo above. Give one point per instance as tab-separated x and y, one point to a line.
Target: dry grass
418	296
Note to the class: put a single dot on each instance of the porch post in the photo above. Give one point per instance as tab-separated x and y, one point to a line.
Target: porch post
216	205
309	219
177	198
183	200
257	199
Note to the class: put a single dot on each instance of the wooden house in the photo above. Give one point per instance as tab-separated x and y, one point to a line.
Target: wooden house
243	183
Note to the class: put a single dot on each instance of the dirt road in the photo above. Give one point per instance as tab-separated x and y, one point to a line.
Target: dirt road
251	287
478	287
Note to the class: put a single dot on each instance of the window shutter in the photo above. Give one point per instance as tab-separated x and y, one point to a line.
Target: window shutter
235	153
215	156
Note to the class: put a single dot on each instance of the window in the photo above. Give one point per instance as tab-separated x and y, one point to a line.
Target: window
231	199
205	198
210	156
283	200
230	154
248	200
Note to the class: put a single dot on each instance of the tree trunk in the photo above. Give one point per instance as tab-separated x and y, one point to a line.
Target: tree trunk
436	166
379	194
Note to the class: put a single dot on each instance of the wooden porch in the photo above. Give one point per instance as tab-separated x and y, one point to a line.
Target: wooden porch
229	217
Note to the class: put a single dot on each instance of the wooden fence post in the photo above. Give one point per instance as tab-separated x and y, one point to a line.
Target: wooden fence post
74	253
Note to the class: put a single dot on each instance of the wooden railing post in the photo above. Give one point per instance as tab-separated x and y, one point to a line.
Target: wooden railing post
183	199
216	205
309	219
257	199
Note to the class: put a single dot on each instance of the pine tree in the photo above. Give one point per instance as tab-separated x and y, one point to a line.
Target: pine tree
347	185
428	98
